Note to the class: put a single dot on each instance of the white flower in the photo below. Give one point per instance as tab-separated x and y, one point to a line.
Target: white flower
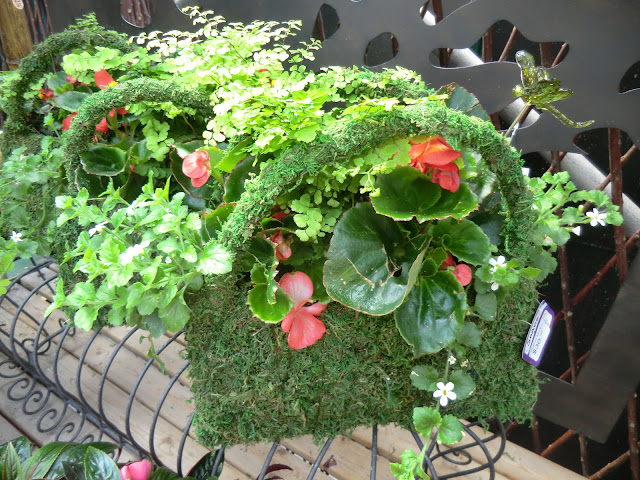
97	229
596	217
497	263
168	260
494	286
577	230
131	208
452	360
16	237
132	252
445	393
526	171
464	363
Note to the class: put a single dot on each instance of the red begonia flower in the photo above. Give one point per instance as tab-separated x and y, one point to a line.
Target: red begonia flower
448	262
66	123
283	249
136	470
121	111
71	79
196	166
463	274
103	79
301	324
447	177
45	94
103	126
434	152
279	215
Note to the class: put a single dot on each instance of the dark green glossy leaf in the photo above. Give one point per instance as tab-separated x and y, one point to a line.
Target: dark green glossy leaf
232	157
433	313
106	161
39	464
73	471
361	270
59	80
405	192
424	419
463	239
203	470
424	377
141	151
234	186
450	430
212	222
70	101
21	445
76	456
265	311
463	384
164	473
11	469
100	466
461	99
451	204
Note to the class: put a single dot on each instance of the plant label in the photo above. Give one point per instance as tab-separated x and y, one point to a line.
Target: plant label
538	335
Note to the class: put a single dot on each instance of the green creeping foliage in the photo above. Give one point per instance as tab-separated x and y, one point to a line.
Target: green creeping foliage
77	139
34	66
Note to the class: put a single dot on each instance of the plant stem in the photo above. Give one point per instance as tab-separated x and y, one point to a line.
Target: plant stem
516	121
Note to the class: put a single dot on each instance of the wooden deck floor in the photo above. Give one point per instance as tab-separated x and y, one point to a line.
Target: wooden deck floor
109	393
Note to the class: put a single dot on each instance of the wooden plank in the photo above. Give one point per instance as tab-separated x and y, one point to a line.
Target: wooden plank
14	30
7	431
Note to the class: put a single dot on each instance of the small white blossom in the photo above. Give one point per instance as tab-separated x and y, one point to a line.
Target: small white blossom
131	208
494	286
130	253
596	217
464	363
97	229
452	360
167	260
445	393
497	263
16	237
577	230
526	171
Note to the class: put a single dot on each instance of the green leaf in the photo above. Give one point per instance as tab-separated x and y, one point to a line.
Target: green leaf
164	473
469	335
529	272
424	419
450	430
424	377
463	239
451	204
432	315
105	161
85	316
486	306
22	447
39	464
215	260
364	269
460	99
148	302
134	294
265	311
400	472
213	222
70	101
203	470
405	192
233	157
96	185
234	187
307	134
99	466
463	384
11	469
75	456
175	315
73	471
410	460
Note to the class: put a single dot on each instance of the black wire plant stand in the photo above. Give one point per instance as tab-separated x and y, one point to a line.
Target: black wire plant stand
33	371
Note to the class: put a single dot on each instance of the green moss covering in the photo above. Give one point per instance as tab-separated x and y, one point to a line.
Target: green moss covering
249	386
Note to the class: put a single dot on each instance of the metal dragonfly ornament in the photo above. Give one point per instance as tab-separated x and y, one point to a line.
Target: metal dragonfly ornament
540	90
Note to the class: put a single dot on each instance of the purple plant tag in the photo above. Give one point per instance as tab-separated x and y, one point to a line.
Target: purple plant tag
538	335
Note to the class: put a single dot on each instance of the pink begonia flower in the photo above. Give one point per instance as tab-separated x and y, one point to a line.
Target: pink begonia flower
66	123
104	80
300	323
283	249
437	156
136	470
103	126
461	271
196	166
121	111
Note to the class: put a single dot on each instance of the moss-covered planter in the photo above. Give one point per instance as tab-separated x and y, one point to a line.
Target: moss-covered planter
249	386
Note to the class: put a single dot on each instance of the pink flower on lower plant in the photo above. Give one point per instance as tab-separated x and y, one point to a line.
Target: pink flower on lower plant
283	248
461	271
136	470
103	126
66	123
197	167
300	323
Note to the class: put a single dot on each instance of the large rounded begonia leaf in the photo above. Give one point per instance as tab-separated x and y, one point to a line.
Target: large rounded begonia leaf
405	192
463	239
456	204
432	314
366	267
107	161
